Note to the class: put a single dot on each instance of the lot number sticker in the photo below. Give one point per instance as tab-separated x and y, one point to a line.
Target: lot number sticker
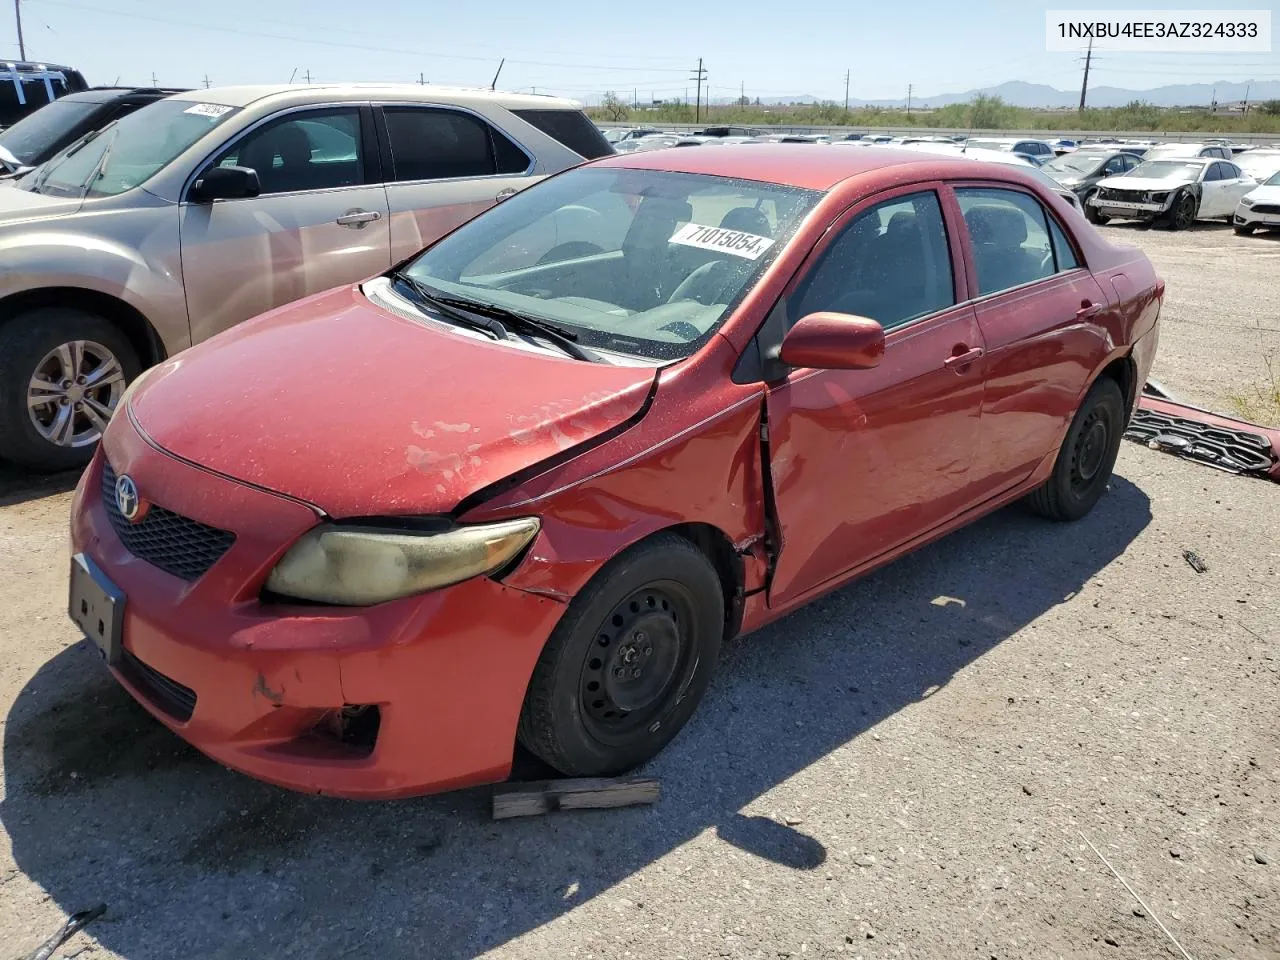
208	110
749	246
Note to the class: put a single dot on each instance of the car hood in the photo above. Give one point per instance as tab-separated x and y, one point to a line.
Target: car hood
1143	183
1268	194
361	412
18	205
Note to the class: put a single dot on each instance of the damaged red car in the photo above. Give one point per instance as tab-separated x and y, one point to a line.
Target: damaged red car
524	486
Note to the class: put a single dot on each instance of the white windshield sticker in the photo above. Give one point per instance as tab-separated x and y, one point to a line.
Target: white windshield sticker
208	109
749	246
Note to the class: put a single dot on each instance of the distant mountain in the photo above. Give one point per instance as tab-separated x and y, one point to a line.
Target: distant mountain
1021	94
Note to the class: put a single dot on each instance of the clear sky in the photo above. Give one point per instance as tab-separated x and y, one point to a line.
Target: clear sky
770	48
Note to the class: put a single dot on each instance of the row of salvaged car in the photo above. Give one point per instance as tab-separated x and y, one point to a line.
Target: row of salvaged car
1173	184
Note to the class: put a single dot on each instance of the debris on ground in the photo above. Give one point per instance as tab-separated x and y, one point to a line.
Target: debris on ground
547	796
1198	565
75	923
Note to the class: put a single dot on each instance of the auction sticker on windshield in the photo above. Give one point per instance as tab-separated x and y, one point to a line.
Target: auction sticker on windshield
208	109
749	246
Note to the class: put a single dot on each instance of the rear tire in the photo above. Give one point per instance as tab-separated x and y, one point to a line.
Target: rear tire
1087	456
629	661
63	432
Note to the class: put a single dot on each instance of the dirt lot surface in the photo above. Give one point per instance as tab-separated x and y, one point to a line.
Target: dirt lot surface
907	768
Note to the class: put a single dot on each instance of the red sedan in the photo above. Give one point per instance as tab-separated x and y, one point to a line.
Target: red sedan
525	485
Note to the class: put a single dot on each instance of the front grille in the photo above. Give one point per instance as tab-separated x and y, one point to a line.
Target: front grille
176	544
166	693
1266	208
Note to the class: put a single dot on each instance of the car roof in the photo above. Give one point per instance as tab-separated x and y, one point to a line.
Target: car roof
798	165
109	94
242	96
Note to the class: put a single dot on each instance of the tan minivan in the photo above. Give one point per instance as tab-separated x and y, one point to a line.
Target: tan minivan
209	207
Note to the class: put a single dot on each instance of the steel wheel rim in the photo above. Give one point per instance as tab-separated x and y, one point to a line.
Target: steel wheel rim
73	392
641	654
1090	451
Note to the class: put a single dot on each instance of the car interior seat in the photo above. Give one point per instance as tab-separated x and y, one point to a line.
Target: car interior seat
998	233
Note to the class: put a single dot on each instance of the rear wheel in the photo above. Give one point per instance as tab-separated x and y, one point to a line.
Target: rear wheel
628	662
1087	456
62	373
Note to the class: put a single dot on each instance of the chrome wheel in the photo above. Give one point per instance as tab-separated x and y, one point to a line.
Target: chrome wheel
74	391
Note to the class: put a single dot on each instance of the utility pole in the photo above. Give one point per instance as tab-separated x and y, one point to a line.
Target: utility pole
635	98
207	84
22	46
421	79
742	92
1084	86
910	87
1213	101
307	76
700	75
153	79
1245	106
846	92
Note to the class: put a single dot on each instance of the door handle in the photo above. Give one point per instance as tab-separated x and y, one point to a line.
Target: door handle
1088	309
959	360
505	194
358	218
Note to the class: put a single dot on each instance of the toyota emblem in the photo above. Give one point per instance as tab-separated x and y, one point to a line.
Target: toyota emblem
127	499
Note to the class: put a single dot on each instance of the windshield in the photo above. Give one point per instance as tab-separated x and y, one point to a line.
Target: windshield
640	262
1273	180
1166	170
27	139
1081	164
128	152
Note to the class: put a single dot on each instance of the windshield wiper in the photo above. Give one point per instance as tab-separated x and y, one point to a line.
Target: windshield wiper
426	296
500	317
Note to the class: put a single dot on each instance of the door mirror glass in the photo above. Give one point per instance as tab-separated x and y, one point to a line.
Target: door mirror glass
225	183
833	341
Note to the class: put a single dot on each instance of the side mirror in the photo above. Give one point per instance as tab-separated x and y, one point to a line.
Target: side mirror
833	341
225	183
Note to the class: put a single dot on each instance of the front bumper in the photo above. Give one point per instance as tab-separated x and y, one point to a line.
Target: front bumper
447	670
1247	216
1128	210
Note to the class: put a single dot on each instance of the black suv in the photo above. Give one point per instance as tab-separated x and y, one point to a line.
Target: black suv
26	87
34	139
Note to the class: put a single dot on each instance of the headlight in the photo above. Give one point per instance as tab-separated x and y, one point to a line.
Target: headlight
1158	197
359	566
1246	202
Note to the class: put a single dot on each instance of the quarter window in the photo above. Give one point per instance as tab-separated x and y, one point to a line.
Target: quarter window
1214	172
891	264
1014	239
316	150
429	144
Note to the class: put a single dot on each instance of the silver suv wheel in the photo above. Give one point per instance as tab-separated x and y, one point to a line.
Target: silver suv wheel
74	391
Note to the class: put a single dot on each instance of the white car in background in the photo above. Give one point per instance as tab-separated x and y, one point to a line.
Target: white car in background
1175	192
951	149
1259	208
1259	163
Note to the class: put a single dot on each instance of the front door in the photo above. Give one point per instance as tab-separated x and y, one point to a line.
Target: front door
320	221
864	460
1040	312
446	166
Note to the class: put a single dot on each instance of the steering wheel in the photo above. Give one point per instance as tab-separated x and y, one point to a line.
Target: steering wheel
683	328
687	289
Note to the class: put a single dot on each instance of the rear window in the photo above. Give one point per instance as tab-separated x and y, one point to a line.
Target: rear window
570	128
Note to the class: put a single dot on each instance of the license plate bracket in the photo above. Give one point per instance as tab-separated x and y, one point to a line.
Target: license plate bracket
96	605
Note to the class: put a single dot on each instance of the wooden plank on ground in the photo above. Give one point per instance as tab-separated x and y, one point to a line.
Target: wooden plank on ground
547	796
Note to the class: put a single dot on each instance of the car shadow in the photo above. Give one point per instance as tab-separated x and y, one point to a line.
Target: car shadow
103	804
19	485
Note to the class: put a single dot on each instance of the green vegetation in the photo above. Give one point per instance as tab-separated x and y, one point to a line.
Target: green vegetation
981	113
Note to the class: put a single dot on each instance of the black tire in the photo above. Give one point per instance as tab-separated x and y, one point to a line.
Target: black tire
1182	214
1242	230
1091	212
25	340
1087	456
662	595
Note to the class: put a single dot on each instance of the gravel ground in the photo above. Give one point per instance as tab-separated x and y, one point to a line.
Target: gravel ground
907	768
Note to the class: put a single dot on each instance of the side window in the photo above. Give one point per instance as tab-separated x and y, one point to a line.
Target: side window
1115	165
1214	172
1063	255
1129	160
315	150
1231	172
1010	237
429	144
891	263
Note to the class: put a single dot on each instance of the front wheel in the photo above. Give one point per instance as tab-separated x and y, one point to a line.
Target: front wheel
1087	456
1091	212
1183	214
629	661
62	373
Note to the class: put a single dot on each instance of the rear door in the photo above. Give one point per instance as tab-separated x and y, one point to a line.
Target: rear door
1214	198
865	460
320	221
1038	308
1235	184
445	165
